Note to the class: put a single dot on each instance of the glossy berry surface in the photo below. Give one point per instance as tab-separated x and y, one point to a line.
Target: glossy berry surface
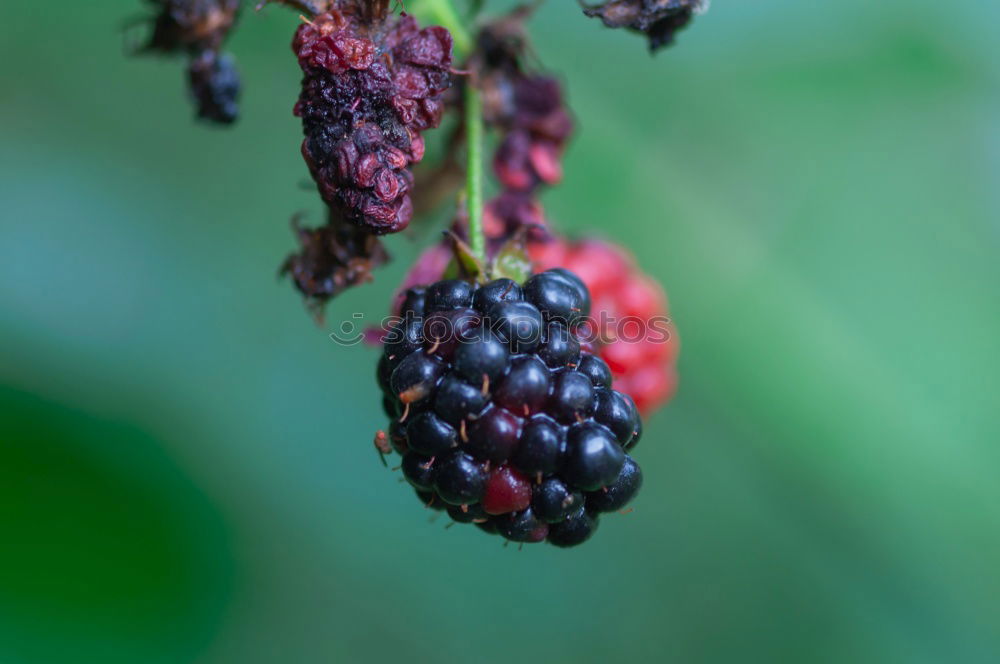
501	418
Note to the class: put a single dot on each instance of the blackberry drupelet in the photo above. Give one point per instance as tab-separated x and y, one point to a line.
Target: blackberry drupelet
499	415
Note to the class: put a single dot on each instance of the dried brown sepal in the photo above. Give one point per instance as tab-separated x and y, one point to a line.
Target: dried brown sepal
464	264
191	26
331	259
659	20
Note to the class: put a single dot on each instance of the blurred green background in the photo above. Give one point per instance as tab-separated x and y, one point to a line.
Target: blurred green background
186	469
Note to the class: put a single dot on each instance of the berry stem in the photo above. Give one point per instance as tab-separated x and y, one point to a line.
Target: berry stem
443	13
474	170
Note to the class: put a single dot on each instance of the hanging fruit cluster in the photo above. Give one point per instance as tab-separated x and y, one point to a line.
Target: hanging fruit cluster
519	362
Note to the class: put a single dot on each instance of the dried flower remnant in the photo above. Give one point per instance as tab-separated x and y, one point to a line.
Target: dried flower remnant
198	28
371	85
659	20
331	259
527	107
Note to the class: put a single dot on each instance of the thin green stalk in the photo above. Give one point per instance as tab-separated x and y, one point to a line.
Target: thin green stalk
474	170
443	13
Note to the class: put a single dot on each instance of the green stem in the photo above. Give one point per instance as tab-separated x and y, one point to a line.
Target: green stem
474	170
443	13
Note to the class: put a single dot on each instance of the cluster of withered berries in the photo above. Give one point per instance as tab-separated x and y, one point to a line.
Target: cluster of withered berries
509	411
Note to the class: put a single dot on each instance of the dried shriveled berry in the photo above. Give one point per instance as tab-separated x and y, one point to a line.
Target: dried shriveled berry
528	108
369	88
331	259
197	29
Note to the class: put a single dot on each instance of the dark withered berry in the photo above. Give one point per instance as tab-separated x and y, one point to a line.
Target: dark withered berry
593	457
215	86
370	86
659	20
619	493
198	29
522	526
332	258
428	434
595	369
527	108
527	444
574	530
418	470
553	501
541	446
460	479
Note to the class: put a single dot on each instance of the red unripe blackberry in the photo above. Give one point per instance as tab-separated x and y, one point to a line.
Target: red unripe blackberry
640	345
506	421
506	491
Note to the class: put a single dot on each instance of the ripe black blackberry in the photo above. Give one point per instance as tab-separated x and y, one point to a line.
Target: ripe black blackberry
500	416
